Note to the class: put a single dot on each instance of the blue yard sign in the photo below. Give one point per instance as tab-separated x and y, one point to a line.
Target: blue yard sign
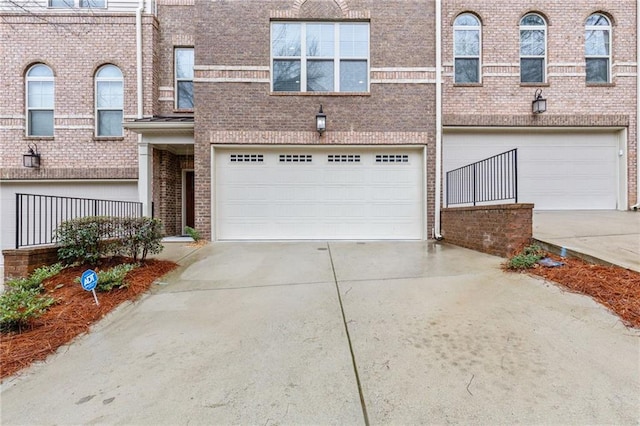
89	281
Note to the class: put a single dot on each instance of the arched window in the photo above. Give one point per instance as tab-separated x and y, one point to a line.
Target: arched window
467	42
109	101
598	49
40	97
533	49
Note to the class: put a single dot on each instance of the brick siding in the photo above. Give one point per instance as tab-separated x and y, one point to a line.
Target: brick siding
21	263
501	100
501	230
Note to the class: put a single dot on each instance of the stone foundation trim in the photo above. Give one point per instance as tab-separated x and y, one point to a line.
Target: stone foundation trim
500	230
94	174
312	138
529	120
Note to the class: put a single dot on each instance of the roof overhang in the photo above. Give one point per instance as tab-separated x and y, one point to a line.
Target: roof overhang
157	126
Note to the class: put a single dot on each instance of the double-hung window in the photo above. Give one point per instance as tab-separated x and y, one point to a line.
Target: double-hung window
109	101
89	4
40	97
183	70
467	42
598	49
533	49
320	56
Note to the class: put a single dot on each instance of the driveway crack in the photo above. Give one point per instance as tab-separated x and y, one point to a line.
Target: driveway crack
363	405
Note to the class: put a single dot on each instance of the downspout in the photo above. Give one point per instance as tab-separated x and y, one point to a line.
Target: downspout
637	204
139	11
145	152
438	184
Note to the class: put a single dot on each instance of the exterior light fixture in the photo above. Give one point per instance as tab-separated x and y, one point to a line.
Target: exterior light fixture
539	104
32	158
321	121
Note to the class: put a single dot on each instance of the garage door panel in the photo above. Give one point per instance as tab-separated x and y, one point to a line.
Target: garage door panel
555	171
328	194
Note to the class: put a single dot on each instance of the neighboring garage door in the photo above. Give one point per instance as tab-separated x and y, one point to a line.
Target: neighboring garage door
301	193
556	171
105	190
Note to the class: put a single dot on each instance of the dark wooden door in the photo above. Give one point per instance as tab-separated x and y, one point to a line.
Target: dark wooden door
189	195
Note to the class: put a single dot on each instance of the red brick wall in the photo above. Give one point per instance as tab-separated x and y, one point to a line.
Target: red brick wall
501	100
501	230
234	104
22	262
74	45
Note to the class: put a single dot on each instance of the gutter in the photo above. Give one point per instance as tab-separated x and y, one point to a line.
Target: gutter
139	11
438	183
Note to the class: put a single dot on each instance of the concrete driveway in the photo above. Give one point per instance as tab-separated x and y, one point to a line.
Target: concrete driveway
341	333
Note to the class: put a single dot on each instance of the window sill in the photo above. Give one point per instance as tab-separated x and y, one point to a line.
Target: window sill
528	84
320	93
40	138
108	138
467	84
600	84
183	111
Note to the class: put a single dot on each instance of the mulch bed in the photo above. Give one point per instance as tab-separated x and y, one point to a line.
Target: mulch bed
74	312
614	287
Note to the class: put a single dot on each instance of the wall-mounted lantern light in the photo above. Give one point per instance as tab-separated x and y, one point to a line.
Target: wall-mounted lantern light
539	104
321	121
32	157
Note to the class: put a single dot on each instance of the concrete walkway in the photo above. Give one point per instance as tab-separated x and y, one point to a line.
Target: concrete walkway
340	333
602	235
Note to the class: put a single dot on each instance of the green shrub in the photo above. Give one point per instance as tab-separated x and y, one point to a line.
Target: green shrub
192	233
143	237
80	238
18	306
88	239
114	277
527	258
35	280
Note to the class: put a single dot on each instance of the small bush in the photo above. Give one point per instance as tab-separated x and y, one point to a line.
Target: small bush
114	277
192	233
80	239
18	306
88	239
35	280
527	258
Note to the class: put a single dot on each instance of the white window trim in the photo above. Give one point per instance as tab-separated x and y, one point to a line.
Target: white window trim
609	28
26	101
76	5
479	56
176	80
336	58
544	57
97	109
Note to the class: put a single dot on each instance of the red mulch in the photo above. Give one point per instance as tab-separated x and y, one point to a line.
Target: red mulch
73	314
614	287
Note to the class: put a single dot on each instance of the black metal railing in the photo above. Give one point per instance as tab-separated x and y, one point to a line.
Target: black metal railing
38	216
492	179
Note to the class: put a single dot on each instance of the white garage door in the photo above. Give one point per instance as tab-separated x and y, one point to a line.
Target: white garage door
302	193
104	190
556	171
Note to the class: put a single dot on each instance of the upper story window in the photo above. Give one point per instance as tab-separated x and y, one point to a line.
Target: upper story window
467	42
598	49
320	56
40	97
533	49
93	4
184	61
109	101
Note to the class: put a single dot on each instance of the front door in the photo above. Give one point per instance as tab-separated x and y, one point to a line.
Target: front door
189	199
